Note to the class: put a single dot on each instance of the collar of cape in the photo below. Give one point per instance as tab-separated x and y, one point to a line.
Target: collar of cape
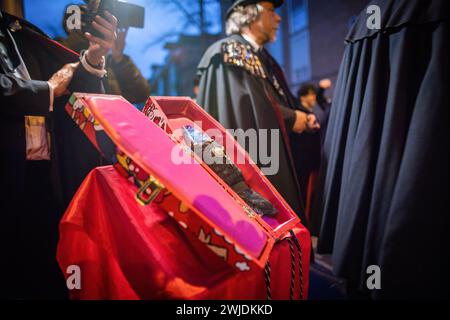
238	52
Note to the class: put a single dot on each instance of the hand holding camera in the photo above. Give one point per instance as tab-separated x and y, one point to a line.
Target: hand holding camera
119	45
100	46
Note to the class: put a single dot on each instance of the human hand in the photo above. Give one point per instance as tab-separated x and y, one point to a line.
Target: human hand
99	47
312	124
119	45
300	123
60	80
325	84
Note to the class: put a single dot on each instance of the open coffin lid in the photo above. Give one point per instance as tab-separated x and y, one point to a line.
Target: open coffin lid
204	207
173	113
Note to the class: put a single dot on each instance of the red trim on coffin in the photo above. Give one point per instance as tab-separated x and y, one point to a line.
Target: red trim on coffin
62	52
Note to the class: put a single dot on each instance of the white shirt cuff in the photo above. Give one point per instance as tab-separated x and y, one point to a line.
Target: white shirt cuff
51	90
97	72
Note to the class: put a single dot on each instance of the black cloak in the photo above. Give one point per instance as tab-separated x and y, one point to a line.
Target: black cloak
383	186
31	208
240	97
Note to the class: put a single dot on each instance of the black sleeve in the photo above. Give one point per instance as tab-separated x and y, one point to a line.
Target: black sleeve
321	100
83	81
32	97
289	117
23	97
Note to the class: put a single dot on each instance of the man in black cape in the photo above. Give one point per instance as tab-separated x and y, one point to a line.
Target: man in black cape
44	154
384	183
243	87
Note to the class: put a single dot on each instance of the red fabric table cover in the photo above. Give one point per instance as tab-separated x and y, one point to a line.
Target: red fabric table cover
128	251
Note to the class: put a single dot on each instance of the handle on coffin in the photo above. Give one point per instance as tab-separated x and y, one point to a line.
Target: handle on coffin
154	185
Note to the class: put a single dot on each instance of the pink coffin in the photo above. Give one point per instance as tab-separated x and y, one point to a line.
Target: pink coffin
149	143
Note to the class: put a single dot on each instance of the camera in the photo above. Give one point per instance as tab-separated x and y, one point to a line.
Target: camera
127	14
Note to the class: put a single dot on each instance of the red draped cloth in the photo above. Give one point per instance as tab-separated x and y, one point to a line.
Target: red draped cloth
128	251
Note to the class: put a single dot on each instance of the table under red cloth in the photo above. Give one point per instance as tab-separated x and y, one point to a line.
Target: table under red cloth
128	251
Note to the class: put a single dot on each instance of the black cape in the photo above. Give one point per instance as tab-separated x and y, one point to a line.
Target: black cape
383	186
31	210
239	99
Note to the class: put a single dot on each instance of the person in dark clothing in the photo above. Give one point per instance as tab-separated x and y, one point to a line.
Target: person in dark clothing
307	95
311	144
243	87
45	155
123	76
322	110
313	98
384	181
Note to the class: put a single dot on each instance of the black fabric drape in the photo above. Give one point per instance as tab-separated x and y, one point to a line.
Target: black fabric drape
383	185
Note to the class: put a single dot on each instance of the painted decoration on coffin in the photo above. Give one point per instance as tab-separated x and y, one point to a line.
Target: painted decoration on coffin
175	208
84	119
157	116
